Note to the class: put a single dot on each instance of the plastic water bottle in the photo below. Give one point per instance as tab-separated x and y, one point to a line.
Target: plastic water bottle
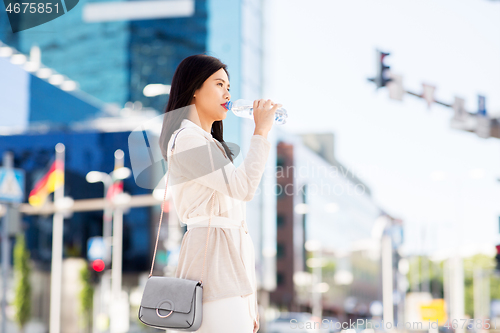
244	108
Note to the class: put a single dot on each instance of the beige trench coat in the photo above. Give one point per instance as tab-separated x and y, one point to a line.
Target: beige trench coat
198	169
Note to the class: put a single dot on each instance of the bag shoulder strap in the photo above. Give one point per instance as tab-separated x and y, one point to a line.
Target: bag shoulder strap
173	144
161	216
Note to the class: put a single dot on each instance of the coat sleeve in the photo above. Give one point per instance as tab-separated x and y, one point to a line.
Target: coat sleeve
195	158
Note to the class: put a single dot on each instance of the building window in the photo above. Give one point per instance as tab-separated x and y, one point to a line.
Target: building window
280	162
280	279
281	193
280	221
280	251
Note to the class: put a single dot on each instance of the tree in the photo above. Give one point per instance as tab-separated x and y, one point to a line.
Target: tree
477	261
22	300
435	276
86	297
469	263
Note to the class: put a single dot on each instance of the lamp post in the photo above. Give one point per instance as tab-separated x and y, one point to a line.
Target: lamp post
94	177
454	272
119	173
316	263
380	232
119	302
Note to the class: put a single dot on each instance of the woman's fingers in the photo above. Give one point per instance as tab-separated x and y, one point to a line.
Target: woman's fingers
264	114
276	106
265	104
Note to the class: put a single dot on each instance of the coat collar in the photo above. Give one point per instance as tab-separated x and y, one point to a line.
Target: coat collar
188	123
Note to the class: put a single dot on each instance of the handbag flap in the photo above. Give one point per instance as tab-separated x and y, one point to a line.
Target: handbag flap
169	293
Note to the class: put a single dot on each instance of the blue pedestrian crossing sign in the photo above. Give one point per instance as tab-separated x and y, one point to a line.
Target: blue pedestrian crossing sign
95	248
11	185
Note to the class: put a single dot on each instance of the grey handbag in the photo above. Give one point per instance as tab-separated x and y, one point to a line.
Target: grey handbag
169	302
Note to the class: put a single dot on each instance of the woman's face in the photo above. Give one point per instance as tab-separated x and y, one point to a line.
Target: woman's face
209	99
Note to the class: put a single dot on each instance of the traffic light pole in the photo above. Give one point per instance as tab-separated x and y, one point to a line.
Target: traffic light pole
483	126
420	96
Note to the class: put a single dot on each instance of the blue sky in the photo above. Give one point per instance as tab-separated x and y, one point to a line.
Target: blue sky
321	52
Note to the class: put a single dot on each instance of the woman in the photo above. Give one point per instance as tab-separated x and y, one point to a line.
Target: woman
202	178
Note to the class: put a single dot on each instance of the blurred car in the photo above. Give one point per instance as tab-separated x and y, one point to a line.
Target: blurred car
330	325
443	329
292	322
471	328
367	326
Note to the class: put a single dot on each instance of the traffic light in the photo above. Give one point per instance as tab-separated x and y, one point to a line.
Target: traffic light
382	77
481	105
97	267
497	258
483	121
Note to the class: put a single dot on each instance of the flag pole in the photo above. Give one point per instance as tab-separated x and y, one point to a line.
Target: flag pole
57	249
8	162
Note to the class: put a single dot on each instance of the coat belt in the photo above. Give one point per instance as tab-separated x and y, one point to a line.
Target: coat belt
217	222
225	222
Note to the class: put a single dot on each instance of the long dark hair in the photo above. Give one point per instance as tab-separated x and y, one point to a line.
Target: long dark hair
189	76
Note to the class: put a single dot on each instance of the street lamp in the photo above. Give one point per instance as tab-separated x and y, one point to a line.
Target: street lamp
152	90
301	209
108	179
119	173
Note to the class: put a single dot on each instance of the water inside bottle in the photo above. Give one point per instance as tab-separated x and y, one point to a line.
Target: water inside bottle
246	111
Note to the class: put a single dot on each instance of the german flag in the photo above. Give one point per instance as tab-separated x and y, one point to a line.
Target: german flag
52	180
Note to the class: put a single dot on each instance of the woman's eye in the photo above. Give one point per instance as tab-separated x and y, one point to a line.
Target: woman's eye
223	85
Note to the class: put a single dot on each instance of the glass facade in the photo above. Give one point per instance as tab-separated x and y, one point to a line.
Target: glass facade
27	99
156	47
113	61
339	212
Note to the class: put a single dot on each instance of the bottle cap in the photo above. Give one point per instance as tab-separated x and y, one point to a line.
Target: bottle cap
228	105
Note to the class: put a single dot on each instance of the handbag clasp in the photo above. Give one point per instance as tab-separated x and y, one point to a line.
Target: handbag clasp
159	315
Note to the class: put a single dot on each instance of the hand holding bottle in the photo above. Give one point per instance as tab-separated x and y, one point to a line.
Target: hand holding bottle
244	108
264	115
